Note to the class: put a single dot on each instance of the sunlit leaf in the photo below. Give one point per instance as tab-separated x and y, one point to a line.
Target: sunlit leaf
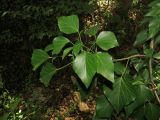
105	66
68	24
106	40
84	66
58	43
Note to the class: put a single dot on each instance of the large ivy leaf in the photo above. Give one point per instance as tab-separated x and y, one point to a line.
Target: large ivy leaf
119	68
105	66
58	43
122	94
47	72
106	40
103	107
38	57
84	66
68	24
143	94
141	37
152	111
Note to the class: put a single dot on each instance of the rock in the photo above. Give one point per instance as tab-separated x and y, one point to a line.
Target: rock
69	118
77	97
83	107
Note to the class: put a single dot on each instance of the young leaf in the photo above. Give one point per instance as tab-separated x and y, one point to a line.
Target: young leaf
58	43
47	72
66	51
105	66
77	47
92	31
69	24
122	94
84	66
38	57
103	107
152	111
141	37
49	47
106	40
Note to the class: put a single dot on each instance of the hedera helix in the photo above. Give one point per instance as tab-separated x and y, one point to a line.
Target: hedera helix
132	95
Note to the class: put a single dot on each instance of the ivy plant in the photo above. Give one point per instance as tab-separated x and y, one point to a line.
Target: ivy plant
86	62
130	95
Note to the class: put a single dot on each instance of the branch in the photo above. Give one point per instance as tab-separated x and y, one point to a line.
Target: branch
151	74
127	58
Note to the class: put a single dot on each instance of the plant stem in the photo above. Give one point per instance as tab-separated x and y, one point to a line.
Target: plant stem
64	66
151	74
127	58
79	35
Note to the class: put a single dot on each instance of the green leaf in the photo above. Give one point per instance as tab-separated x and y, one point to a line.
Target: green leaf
157	56
105	66
154	27
141	37
152	111
106	40
66	51
119	68
143	94
157	40
92	30
49	47
38	57
58	43
148	52
122	94
4	116
47	73
103	107
139	113
69	24
77	47
84	66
